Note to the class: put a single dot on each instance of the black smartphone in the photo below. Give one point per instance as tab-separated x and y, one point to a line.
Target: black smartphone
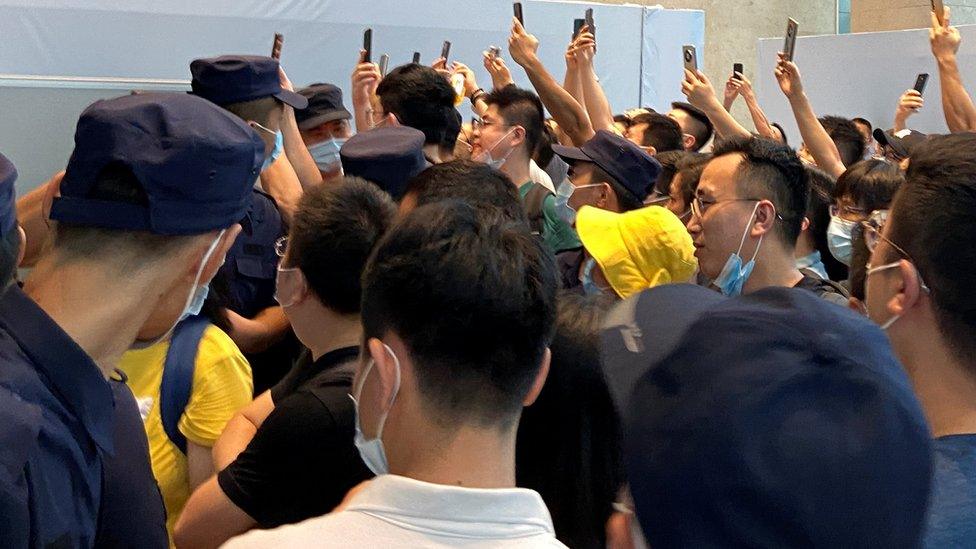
737	71
588	18
518	13
368	45
920	81
578	26
690	57
939	10
446	50
384	62
279	40
790	46
416	57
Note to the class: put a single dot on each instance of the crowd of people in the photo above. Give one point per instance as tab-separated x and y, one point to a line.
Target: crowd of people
247	316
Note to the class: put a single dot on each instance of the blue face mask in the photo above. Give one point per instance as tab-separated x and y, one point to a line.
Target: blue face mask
589	286
813	263
734	275
372	451
279	144
839	239
326	153
563	193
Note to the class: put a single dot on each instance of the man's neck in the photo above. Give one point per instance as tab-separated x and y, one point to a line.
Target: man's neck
774	268
433	152
945	387
517	169
334	331
100	310
804	246
470	457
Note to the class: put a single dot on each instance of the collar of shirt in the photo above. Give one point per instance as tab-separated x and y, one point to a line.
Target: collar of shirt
335	357
501	513
65	369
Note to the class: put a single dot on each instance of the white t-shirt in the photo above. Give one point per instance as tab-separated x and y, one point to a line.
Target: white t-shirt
395	511
538	175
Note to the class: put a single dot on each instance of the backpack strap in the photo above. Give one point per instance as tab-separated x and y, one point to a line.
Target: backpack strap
533	204
178	368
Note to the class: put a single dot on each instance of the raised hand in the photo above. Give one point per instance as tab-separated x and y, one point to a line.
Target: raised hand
496	67
910	103
521	45
365	78
944	38
698	89
470	82
788	76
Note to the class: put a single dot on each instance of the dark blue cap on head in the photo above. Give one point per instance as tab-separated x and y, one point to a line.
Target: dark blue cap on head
239	78
629	165
324	105
195	161
774	419
388	156
8	210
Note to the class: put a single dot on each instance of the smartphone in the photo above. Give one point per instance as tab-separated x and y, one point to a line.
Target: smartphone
494	51
737	71
588	18
416	57
446	50
518	13
790	46
578	26
368	45
690	57
279	40
939	10
384	61
920	82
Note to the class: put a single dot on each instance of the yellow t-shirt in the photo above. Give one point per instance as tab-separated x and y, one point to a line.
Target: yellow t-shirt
222	385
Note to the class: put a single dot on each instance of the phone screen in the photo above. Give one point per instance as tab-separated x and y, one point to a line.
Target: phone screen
578	26
737	71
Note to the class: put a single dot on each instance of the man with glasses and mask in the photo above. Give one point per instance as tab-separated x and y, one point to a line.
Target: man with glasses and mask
148	207
747	215
505	138
920	290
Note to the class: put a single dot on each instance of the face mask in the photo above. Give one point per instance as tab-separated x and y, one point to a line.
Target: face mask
194	302
734	275
839	239
326	153
278	146
564	192
285	281
812	262
589	286
485	155
372	452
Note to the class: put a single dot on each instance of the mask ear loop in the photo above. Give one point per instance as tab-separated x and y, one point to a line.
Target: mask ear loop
396	390
746	233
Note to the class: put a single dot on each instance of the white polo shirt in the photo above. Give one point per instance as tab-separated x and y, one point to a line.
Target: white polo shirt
395	511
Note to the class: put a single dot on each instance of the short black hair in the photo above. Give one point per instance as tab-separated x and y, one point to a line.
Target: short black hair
863	122
844	134
420	98
473	298
332	235
626	199
932	220
822	187
622	119
771	171
568	444
690	168
662	133
9	252
669	168
544	153
703	129
782	132
860	256
471	182
520	107
870	184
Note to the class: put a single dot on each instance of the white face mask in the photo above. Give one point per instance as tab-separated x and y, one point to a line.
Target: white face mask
372	451
485	155
194	302
326	153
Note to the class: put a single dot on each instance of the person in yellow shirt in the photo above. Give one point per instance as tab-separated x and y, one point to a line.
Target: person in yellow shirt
221	385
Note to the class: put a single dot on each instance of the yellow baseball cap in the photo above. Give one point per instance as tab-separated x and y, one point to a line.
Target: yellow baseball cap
639	249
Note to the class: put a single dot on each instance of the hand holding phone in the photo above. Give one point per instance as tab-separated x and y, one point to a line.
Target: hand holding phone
920	81
446	51
588	17
792	27
279	40
737	71
690	56
368	45
518	13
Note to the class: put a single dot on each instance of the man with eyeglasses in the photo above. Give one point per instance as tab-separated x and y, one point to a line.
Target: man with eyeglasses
920	282
746	216
289	455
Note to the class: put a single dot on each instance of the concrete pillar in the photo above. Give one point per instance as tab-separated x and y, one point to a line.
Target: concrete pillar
884	15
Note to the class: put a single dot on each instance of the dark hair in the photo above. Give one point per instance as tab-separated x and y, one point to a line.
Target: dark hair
932	220
568	445
420	98
690	167
452	130
662	132
471	182
472	296
860	256
782	132
863	122
818	213
702	129
520	107
544	153
332	235
771	171
622	119
669	168
847	138
9	251
870	184
625	198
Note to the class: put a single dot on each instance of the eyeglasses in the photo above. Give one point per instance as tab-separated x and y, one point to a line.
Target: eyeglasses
699	206
480	124
281	245
841	211
873	228
656	198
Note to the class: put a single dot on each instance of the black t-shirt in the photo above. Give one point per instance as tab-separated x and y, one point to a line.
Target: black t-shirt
302	461
830	291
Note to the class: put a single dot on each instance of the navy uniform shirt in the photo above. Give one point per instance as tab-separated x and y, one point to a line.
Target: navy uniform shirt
56	430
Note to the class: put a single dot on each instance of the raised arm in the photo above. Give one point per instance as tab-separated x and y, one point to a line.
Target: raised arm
763	127
597	106
700	93
301	160
909	103
815	137
567	112
365	78
960	113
